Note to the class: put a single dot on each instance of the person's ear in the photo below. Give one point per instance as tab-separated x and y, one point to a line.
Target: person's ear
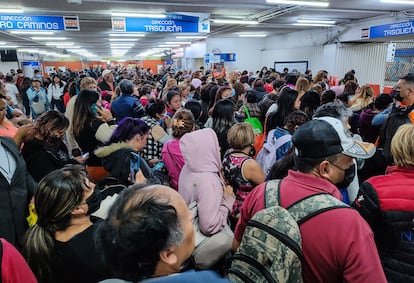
78	211
168	256
324	169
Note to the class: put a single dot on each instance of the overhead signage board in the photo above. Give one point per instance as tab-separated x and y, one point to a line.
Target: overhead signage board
395	29
38	23
173	23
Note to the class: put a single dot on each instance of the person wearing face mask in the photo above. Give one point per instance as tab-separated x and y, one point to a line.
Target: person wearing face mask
337	244
61	246
44	149
403	93
239	168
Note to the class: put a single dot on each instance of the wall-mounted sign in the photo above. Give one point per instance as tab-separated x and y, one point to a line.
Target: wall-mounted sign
219	57
172	23
395	29
38	23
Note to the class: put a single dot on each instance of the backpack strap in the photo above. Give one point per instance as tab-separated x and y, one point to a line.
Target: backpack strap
303	209
272	193
282	140
313	205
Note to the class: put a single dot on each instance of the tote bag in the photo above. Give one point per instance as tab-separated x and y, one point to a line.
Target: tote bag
255	122
209	249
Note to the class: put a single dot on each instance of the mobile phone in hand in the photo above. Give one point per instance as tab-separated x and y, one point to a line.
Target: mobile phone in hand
134	165
158	166
85	155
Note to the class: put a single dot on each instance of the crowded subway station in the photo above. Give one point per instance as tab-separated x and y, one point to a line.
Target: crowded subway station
207	141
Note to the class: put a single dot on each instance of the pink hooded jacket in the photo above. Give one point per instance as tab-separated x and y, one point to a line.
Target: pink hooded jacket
202	167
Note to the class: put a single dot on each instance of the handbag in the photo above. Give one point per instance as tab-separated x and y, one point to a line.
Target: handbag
209	249
255	122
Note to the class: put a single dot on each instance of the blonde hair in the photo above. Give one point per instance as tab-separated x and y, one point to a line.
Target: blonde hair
240	135
182	123
402	146
364	96
85	82
302	85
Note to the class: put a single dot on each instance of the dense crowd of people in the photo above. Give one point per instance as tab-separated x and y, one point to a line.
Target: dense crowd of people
100	169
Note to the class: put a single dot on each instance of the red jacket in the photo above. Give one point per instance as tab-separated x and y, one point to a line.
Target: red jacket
338	245
387	203
13	266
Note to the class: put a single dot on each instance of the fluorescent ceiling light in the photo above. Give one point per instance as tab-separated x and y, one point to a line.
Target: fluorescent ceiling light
9	47
32	32
60	43
73	48
398	1
138	15
191	36
300	3
326	22
123	44
311	25
11	10
252	35
122	39
2	43
48	38
129	34
240	22
168	45
178	42
28	50
120	48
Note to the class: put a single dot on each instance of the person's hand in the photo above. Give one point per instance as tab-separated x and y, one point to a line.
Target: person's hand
154	161
228	190
105	114
140	178
167	120
80	159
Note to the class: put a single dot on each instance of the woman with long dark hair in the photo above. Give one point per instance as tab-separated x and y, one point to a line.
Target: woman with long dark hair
61	246
223	119
93	126
55	93
286	105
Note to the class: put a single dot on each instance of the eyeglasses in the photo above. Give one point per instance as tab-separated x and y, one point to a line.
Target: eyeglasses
337	166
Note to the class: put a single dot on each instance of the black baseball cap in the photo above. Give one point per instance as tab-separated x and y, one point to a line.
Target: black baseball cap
326	136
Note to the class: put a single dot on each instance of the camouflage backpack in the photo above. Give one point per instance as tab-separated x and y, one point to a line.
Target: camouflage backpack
271	249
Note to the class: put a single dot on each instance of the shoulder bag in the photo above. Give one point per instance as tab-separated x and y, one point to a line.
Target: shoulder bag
209	249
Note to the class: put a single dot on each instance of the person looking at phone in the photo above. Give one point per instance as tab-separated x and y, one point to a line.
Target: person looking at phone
44	149
121	152
93	126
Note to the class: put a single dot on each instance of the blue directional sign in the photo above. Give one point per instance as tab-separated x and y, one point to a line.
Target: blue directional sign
395	29
173	23
38	23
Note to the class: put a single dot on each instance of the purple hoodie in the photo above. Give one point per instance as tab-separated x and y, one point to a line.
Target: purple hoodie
201	153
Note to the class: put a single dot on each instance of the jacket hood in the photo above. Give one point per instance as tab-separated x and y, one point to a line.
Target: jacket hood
115	159
201	151
104	151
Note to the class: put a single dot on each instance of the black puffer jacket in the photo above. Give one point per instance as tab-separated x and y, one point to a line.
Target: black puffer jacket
387	203
116	159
